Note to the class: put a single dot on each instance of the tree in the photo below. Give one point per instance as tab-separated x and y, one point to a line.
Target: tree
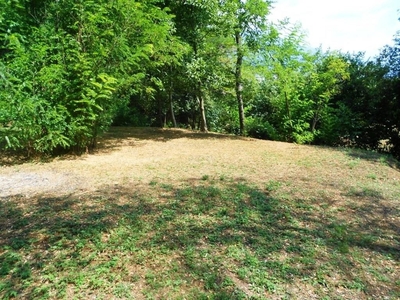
282	66
245	21
390	94
354	110
194	23
66	62
324	83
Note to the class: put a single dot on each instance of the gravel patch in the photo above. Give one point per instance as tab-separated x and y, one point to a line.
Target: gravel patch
33	183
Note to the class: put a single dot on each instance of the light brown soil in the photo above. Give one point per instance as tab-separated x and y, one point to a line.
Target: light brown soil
129	156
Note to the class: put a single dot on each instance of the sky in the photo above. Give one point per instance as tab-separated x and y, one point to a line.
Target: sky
346	25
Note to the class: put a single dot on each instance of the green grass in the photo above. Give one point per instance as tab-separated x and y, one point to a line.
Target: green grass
199	240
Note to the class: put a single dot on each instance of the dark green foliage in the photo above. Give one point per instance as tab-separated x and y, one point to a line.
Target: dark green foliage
366	112
390	94
70	68
261	129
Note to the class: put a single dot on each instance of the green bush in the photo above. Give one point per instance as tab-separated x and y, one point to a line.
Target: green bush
258	128
63	63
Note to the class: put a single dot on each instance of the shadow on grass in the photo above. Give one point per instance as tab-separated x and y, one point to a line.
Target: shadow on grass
160	134
382	158
117	136
201	240
12	158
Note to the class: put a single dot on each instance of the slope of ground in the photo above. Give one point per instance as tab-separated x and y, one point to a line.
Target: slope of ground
174	214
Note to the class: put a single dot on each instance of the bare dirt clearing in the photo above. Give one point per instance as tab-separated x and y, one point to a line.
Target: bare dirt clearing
129	156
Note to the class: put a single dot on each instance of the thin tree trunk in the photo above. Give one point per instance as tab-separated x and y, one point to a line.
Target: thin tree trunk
288	106
161	115
289	115
200	99
203	121
238	81
314	121
171	105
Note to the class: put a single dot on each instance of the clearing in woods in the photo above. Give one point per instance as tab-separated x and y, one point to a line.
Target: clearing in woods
174	214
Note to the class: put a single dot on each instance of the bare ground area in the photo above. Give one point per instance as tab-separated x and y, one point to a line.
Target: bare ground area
359	189
130	156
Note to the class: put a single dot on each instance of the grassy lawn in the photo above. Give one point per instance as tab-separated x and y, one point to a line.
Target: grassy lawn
317	233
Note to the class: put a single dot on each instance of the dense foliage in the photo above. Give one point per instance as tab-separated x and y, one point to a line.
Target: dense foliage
71	68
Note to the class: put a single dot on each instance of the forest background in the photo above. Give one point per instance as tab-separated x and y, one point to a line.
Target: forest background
71	68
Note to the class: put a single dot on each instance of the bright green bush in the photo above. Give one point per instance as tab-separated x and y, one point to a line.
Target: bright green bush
62	64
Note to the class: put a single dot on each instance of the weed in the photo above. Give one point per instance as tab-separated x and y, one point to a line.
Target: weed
205	177
273	185
167	187
364	191
383	160
122	291
355	284
353	163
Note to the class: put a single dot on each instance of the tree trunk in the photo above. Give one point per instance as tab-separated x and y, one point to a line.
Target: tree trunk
171	106
238	81
288	107
203	121
289	115
314	121
200	100
161	115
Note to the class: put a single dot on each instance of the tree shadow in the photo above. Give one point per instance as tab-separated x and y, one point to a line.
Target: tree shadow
228	240
119	136
376	157
12	158
163	134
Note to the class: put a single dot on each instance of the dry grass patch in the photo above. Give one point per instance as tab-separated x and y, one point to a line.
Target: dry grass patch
173	214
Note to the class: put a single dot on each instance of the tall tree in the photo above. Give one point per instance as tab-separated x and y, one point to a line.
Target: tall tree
282	65
245	21
390	94
194	21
